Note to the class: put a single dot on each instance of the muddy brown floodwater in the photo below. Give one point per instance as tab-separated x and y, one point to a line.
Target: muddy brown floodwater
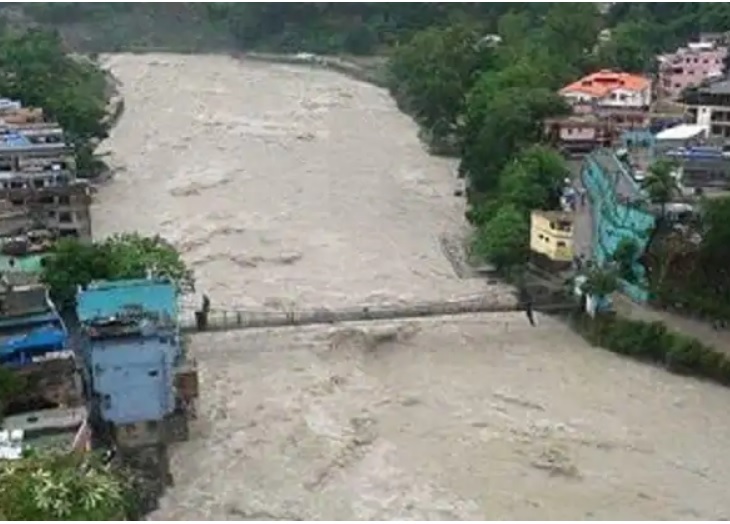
287	186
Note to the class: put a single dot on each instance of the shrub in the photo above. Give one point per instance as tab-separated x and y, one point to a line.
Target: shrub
653	342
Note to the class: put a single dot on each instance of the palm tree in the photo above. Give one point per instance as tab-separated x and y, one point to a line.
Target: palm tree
661	184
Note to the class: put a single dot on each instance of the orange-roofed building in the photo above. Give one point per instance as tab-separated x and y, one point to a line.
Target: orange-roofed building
610	88
621	98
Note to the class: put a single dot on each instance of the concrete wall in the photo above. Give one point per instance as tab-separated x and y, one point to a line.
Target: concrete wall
133	378
614	220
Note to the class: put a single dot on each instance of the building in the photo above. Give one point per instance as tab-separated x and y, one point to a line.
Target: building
60	211
682	135
31	329
689	67
62	430
703	167
621	99
551	238
579	134
38	186
131	347
709	105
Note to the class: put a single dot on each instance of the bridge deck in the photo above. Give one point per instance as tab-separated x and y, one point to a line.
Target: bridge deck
219	320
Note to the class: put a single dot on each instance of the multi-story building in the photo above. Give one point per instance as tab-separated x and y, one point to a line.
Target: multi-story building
689	67
620	99
704	167
551	238
579	134
133	353
709	105
30	326
38	185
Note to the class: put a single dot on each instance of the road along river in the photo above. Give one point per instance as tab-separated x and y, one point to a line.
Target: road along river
291	186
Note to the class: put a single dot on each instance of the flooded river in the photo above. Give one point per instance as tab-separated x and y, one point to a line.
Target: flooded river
287	186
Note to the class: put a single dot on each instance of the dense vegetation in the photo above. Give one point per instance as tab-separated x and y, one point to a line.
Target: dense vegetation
62	487
359	28
72	263
652	342
35	68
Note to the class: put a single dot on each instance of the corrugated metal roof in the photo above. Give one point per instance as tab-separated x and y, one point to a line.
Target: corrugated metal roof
108	299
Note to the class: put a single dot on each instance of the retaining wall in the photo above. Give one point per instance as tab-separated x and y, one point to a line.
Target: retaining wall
614	219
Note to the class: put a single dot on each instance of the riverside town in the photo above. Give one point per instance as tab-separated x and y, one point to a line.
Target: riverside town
366	261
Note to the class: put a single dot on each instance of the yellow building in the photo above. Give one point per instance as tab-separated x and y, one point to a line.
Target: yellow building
551	235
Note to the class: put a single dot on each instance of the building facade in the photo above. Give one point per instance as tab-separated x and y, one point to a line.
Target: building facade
551	236
620	99
689	67
709	106
38	186
30	326
579	134
133	353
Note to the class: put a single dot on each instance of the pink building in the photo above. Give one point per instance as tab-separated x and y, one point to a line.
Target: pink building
689	66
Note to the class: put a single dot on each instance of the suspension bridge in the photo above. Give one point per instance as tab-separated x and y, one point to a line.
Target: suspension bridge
216	320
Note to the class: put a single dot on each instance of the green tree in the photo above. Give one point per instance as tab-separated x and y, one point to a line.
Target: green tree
35	69
625	257
72	263
430	75
715	250
498	125
61	487
627	50
534	179
503	240
601	282
661	183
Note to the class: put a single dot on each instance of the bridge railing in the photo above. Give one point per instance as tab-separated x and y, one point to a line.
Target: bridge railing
224	320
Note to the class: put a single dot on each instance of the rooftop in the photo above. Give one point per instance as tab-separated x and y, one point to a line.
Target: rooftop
720	86
603	82
554	215
48	428
111	299
681	132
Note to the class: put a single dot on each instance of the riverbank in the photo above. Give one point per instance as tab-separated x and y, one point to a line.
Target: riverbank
364	69
286	188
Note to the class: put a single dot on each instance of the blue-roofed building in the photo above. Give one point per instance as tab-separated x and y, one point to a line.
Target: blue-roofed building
131	347
30	326
110	298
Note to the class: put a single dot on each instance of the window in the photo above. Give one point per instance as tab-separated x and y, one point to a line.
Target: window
64	200
561	244
65	217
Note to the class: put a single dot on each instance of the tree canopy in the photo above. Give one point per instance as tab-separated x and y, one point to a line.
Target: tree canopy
72	263
55	486
35	68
